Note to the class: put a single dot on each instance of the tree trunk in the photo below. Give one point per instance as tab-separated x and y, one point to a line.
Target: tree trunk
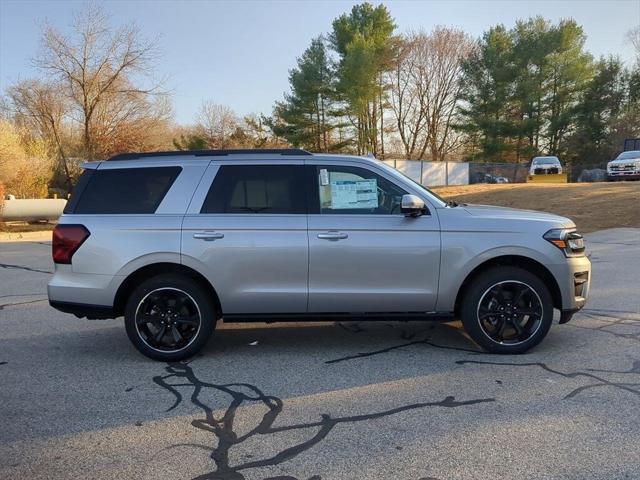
87	140
325	147
381	121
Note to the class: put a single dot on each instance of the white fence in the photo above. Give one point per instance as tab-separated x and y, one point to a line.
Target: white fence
433	174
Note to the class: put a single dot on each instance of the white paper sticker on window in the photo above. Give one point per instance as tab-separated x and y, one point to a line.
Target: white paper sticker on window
324	176
347	194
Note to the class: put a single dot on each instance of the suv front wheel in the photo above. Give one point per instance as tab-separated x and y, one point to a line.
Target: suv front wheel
507	310
169	317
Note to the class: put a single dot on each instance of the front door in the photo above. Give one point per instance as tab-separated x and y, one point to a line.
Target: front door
364	254
248	235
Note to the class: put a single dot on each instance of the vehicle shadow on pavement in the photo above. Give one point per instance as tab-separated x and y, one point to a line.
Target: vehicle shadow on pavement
341	341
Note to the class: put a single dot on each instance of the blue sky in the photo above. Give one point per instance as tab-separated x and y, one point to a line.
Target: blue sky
239	53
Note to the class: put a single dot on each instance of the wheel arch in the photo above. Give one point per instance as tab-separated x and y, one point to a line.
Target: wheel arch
523	262
161	268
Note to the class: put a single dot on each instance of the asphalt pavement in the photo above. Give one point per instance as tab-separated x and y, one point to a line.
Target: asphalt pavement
367	400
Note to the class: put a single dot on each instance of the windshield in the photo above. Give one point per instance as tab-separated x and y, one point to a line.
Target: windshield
629	155
546	160
400	175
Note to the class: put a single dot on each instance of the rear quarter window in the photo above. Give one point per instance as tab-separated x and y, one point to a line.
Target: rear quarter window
124	190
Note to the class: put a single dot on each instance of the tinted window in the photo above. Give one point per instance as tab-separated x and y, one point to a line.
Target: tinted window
257	189
354	190
126	190
79	187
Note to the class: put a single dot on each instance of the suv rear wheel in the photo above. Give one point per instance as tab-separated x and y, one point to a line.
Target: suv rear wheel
169	317
507	310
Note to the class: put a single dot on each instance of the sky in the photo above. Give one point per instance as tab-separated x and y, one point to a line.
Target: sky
239	53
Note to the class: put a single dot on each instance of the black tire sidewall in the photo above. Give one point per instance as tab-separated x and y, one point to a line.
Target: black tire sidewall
479	286
199	295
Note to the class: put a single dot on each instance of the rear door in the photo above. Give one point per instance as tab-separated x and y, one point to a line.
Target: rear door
364	254
246	230
134	211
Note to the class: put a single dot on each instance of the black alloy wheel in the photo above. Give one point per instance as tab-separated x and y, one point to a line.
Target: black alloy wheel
506	309
510	312
168	319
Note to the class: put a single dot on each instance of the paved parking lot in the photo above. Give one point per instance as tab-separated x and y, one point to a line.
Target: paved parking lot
321	401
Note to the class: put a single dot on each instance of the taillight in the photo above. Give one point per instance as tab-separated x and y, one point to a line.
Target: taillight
66	240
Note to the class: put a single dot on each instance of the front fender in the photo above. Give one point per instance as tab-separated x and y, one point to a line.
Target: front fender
461	256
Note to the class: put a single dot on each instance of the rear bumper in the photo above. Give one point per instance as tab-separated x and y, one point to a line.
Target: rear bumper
83	294
81	310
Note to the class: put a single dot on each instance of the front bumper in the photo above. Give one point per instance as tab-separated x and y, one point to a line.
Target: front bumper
545	171
574	280
623	175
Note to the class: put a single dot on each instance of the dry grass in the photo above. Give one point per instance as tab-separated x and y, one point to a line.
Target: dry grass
21	227
592	206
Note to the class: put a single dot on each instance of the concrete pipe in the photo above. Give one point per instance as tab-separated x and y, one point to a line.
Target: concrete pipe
31	209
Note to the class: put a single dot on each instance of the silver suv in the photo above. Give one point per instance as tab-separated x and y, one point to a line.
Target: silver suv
176	241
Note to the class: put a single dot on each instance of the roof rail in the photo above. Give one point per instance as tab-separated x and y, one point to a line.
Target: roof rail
210	153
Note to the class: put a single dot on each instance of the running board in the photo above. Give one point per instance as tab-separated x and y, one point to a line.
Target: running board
337	316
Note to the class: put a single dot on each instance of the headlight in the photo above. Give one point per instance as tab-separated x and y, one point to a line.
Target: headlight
570	242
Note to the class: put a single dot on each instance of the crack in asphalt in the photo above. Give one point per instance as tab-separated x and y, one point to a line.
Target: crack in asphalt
424	341
607	310
350	327
225	437
21	295
22	267
635	368
631	244
21	303
601	382
404	335
616	322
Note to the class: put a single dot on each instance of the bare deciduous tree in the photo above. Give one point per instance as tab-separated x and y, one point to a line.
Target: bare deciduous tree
407	99
426	89
97	66
634	38
41	107
216	124
131	121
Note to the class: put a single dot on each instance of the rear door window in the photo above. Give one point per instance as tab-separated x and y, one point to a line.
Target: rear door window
257	189
126	190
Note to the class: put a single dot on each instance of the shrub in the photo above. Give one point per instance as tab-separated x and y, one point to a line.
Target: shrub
25	169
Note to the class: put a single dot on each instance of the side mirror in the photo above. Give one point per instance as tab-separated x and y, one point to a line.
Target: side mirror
412	206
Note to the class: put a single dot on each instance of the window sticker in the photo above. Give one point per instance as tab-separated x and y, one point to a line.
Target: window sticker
348	194
324	177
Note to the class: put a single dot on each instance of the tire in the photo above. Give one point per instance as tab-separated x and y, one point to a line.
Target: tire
166	304
501	299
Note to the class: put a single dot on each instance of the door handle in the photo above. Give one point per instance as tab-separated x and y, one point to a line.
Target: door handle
208	236
333	236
